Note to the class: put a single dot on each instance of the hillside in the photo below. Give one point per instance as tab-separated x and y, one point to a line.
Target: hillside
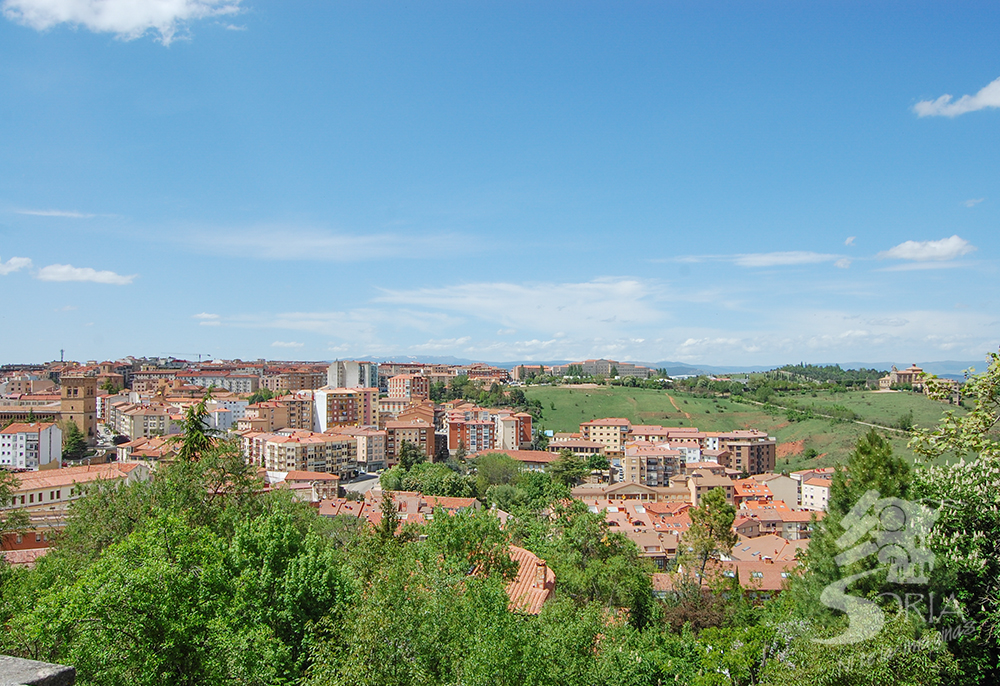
832	440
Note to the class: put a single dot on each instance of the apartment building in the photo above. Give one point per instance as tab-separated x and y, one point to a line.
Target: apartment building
751	451
648	464
352	374
31	446
371	447
513	431
409	387
611	431
302	450
334	407
416	432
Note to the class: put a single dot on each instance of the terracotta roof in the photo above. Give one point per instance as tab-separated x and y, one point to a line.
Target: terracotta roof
815	481
58	478
534	584
25	428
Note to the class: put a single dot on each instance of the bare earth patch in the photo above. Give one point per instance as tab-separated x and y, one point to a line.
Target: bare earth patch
791	448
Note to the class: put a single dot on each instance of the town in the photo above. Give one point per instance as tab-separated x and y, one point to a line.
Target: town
319	428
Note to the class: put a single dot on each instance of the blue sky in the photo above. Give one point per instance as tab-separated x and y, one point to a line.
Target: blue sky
717	183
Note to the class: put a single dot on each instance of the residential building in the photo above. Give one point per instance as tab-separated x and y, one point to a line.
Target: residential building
371	447
417	432
334	407
409	387
33	446
513	431
611	431
352	374
302	450
751	451
54	489
816	494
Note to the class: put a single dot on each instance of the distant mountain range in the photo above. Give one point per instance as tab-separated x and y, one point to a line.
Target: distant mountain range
943	368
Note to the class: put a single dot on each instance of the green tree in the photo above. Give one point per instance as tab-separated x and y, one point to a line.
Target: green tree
74	444
409	455
260	395
568	468
711	532
196	436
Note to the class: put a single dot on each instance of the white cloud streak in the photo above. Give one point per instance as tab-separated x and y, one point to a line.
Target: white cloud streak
204	315
284	243
850	240
988	97
923	251
67	272
286	344
972	202
786	258
126	19
14	264
69	214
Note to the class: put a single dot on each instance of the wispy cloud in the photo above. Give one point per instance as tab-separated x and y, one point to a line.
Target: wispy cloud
207	319
292	243
67	272
14	264
923	251
56	213
438	345
785	258
575	308
781	259
286	344
205	315
850	240
126	19
989	96
843	263
972	202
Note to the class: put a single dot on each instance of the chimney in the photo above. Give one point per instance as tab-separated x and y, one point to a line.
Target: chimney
540	570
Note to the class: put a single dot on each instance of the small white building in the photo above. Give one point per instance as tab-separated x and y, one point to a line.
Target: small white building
815	494
33	446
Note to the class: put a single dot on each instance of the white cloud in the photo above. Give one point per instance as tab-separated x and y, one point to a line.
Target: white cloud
989	96
850	240
506	332
441	344
204	315
602	307
764	259
292	243
972	202
14	264
843	263
781	259
56	213
127	19
67	272
286	344
922	251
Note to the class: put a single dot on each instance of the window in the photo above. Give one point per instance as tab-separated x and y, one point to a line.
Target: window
31	497
38	537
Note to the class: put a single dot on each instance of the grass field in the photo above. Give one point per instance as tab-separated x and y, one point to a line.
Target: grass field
832	440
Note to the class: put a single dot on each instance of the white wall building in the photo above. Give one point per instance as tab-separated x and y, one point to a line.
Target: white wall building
31	446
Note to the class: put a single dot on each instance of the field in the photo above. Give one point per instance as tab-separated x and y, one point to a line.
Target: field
832	440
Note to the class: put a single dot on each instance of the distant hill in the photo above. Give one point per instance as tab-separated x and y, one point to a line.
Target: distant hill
944	368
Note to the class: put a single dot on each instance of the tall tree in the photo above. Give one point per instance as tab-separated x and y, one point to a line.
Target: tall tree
711	532
197	436
568	468
74	445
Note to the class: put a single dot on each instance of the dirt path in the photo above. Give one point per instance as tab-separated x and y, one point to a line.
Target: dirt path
674	403
827	416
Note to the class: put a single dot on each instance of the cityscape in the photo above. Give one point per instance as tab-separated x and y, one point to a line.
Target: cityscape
497	343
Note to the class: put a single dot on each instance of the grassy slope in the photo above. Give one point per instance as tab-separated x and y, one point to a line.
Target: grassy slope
833	441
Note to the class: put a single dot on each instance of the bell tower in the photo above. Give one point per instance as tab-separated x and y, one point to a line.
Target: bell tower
79	403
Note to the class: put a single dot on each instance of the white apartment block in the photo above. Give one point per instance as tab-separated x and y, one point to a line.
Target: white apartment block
31	446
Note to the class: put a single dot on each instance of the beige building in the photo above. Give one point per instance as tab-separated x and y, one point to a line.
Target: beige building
78	396
301	450
611	431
